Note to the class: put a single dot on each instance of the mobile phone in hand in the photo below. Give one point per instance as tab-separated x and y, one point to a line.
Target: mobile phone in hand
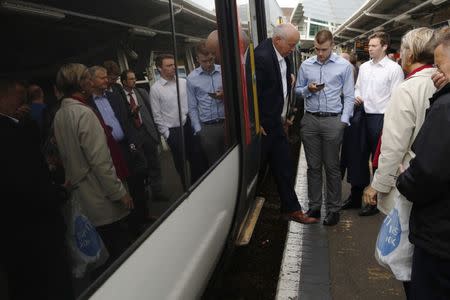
213	95
320	85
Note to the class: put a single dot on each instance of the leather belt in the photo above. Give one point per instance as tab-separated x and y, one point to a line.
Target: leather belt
323	114
211	122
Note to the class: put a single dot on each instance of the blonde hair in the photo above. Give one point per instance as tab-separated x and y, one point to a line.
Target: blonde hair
70	77
419	44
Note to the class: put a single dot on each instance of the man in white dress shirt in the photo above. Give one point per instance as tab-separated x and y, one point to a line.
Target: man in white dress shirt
166	113
376	80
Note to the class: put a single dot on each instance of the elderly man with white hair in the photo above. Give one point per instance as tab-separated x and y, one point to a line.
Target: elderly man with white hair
273	76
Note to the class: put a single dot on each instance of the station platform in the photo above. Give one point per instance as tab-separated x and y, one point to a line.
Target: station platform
337	262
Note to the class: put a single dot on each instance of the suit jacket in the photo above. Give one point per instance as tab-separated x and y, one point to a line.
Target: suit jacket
270	85
121	111
143	100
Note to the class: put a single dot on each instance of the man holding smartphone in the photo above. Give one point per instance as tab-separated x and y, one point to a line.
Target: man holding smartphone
205	103
321	80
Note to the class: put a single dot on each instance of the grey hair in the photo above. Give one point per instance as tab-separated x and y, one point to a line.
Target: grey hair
280	31
420	44
94	69
70	77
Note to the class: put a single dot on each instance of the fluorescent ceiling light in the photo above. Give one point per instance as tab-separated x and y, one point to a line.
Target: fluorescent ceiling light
192	40
25	8
142	31
437	2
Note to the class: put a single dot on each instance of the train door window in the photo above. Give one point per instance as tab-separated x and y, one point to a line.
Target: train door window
117	41
208	122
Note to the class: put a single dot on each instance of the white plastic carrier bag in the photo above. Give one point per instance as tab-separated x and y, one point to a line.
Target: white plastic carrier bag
393	249
85	245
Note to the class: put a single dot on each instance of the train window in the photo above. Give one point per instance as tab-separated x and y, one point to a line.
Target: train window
208	111
137	115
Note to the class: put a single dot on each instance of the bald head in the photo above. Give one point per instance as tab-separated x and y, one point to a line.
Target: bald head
285	37
212	43
345	56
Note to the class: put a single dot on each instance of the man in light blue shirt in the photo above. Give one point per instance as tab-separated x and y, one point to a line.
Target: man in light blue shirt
205	104
321	81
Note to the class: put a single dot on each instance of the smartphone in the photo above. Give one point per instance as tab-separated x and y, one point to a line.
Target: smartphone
320	85
213	95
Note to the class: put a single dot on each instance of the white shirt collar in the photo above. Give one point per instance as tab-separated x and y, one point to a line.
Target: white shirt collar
382	62
280	58
13	119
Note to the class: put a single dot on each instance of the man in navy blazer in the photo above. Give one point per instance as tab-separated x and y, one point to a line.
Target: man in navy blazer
273	78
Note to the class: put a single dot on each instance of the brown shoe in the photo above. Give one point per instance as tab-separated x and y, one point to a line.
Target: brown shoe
300	217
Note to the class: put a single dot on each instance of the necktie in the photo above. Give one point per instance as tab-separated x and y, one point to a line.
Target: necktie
136	117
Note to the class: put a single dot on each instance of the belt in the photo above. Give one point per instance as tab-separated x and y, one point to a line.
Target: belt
323	114
211	122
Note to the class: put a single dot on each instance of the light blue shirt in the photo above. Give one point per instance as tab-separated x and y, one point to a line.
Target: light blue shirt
337	74
105	109
202	107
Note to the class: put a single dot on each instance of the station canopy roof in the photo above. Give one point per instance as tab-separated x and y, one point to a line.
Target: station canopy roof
334	11
395	17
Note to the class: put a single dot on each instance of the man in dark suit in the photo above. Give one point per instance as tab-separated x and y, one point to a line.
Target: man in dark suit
147	136
33	253
115	114
273	78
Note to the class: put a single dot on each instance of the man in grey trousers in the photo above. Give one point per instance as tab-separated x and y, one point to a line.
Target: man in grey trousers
322	80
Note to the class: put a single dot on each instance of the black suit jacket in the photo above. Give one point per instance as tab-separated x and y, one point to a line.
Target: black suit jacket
270	85
142	97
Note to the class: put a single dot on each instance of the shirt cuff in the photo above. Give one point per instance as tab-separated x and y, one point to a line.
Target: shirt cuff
306	93
345	119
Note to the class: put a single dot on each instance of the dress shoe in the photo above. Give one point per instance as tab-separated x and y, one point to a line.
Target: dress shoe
300	217
313	213
331	219
369	210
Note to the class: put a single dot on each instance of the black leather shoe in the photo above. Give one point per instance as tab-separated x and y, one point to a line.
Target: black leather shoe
369	210
331	219
313	213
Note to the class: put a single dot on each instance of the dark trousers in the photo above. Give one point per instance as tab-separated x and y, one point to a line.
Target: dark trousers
194	152
430	277
139	215
117	238
275	151
374	126
154	163
212	138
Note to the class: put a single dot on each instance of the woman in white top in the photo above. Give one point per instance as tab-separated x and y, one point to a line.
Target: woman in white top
404	117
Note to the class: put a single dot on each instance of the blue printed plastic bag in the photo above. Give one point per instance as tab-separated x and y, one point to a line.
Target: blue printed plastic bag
86	248
393	249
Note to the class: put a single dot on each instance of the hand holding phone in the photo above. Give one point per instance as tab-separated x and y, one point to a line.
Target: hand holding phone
320	85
